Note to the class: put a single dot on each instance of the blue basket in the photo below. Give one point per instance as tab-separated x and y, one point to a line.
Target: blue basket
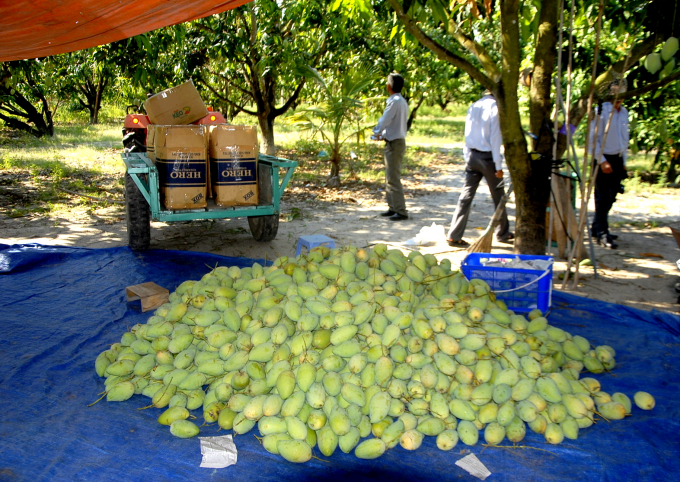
505	281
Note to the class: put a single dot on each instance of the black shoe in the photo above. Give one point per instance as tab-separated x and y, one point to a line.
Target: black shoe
612	236
458	244
388	213
509	239
398	217
607	241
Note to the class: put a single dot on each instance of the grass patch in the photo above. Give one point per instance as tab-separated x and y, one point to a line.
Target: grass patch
79	158
636	185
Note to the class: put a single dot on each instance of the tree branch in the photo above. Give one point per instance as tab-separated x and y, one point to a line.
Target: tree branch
204	28
283	109
22	126
12	111
440	51
647	88
223	98
475	48
233	84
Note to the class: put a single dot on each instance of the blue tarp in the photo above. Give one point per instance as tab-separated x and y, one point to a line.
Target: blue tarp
62	306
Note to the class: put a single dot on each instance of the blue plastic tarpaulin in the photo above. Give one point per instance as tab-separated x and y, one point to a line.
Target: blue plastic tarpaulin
61	307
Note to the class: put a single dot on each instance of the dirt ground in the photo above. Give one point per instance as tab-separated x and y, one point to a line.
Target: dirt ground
641	273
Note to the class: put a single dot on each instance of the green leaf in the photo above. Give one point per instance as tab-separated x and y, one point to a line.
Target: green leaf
394	31
438	11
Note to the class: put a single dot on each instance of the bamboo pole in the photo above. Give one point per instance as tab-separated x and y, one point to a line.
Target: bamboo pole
584	205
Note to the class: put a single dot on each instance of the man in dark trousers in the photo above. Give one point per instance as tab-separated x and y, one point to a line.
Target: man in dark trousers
482	154
392	129
612	160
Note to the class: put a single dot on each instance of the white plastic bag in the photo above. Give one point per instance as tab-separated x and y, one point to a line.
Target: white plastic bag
428	236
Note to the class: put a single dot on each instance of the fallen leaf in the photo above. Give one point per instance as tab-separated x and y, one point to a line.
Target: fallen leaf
651	255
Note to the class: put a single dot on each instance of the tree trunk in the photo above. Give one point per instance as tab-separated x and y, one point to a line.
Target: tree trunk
541	79
267	127
412	115
335	167
530	179
93	98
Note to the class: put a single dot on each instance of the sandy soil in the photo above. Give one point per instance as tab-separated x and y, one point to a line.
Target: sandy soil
641	273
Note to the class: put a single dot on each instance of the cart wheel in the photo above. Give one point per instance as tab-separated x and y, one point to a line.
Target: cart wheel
264	228
138	216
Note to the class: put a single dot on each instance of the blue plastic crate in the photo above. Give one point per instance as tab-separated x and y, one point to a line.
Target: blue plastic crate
532	293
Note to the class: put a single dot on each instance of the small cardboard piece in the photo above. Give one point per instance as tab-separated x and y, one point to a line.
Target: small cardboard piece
151	295
182	162
178	105
233	165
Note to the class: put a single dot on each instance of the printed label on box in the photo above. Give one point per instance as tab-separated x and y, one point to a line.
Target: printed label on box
233	173
182	171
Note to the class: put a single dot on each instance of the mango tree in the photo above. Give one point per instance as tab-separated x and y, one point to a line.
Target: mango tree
253	58
25	87
633	38
490	42
89	74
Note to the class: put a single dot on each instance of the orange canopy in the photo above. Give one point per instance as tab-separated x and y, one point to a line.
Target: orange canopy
37	28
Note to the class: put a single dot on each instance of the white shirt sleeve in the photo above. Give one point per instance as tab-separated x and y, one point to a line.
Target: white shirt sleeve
496	139
386	119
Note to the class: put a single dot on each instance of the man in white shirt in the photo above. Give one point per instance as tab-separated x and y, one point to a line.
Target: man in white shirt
482	154
392	129
612	159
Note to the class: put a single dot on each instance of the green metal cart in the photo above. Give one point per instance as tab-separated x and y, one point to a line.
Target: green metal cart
142	200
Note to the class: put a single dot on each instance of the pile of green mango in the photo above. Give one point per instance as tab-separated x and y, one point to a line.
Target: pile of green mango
328	348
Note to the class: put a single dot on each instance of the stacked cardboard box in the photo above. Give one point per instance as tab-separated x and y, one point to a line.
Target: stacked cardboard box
182	160
176	106
233	165
196	162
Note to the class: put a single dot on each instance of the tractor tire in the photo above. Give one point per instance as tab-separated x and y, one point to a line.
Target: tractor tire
264	228
138	215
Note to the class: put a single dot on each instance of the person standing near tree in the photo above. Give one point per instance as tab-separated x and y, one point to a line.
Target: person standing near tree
392	129
612	160
482	153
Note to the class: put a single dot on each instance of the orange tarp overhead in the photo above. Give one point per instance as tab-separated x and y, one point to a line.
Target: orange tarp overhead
37	28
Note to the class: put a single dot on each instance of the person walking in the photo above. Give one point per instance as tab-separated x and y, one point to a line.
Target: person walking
612	161
482	153
392	128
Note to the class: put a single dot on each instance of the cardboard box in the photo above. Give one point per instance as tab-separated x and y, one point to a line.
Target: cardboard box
182	162
233	165
176	106
150	147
